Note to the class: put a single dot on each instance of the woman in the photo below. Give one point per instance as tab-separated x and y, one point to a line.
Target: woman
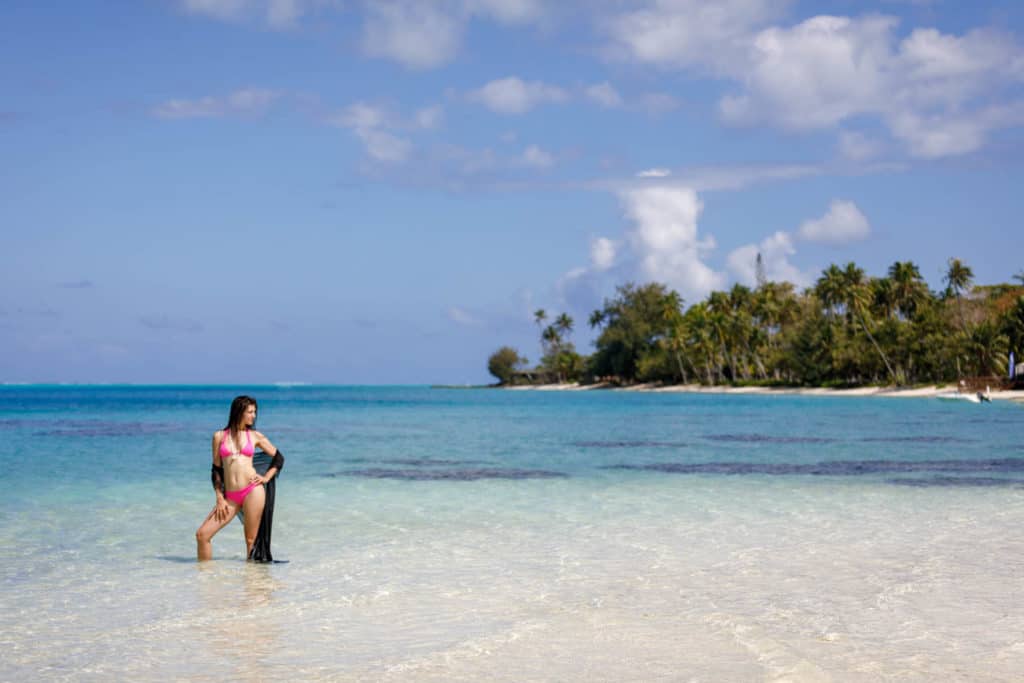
237	485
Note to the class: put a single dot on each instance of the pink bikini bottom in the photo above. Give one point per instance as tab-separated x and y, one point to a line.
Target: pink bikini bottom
238	497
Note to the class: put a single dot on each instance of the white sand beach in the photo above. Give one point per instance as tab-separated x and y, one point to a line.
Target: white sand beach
887	392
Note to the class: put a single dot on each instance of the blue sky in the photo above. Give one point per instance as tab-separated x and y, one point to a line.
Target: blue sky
248	191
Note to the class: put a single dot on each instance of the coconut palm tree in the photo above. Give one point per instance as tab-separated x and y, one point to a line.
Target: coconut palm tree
830	289
958	279
855	289
989	348
564	324
883	297
908	288
742	329
719	313
701	336
675	337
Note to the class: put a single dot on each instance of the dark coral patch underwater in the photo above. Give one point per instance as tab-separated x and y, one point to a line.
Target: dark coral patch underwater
461	474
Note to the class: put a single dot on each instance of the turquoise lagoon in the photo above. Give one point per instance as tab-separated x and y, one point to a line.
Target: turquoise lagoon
441	534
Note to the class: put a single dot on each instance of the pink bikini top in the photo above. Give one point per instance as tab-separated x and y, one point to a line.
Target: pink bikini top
225	450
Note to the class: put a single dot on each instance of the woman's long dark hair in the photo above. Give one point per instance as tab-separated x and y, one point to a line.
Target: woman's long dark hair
238	408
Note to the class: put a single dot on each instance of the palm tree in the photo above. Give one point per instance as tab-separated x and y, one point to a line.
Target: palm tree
855	296
701	336
830	288
719	313
675	339
958	278
883	297
1019	277
908	288
564	323
551	340
989	347
742	329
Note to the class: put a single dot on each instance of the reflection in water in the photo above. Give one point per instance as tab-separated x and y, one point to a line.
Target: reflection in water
243	627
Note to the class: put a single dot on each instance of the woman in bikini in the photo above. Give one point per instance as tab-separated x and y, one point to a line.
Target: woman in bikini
235	481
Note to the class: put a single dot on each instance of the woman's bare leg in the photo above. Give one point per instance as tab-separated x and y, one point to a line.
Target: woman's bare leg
209	528
252	513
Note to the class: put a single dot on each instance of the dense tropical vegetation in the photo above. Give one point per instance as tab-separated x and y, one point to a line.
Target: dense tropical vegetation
847	329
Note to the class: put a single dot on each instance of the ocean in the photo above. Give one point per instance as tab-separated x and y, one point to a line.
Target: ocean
485	535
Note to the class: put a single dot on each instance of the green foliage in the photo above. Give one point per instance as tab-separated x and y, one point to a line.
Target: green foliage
632	324
1012	324
504	362
848	329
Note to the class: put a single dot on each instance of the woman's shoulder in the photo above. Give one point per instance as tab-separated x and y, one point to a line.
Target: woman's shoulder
257	435
218	435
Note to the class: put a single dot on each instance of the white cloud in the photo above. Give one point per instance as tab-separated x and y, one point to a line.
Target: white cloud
938	93
934	136
814	74
843	223
654	173
250	101
925	88
426	35
384	146
775	251
665	240
690	33
602	253
418	35
370	124
537	157
515	96
604	94
661	244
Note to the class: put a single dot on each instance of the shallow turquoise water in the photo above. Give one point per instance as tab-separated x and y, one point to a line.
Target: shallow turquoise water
480	534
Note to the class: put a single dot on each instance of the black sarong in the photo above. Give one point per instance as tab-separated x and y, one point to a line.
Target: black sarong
261	548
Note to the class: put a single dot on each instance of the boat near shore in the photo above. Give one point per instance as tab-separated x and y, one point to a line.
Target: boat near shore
957	396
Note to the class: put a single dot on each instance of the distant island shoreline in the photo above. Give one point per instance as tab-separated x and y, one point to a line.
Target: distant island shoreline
887	392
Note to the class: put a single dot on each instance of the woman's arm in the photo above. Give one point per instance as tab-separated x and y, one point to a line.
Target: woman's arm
221	509
278	460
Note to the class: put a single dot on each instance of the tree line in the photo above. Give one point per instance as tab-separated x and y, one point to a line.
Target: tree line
847	329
